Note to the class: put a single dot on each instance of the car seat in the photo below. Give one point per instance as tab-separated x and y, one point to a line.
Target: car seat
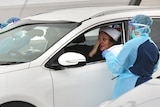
78	45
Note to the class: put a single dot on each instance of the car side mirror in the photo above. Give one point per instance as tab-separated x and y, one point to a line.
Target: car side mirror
71	58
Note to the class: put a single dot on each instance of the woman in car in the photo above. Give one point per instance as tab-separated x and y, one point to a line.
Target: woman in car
107	38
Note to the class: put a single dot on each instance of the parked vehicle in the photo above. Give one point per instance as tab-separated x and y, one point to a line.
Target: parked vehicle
145	95
51	68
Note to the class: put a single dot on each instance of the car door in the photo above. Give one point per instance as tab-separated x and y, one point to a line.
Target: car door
85	84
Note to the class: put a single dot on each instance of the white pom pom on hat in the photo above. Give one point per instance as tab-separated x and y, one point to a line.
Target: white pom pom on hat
115	34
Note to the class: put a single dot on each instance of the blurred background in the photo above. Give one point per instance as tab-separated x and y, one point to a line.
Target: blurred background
24	8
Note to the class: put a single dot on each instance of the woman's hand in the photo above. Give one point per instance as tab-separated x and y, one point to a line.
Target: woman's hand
94	50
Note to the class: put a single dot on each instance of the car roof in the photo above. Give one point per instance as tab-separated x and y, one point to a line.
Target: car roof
84	13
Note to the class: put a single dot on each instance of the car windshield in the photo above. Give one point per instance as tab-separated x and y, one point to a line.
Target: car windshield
26	43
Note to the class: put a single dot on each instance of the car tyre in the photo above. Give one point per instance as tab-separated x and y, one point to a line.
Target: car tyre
17	104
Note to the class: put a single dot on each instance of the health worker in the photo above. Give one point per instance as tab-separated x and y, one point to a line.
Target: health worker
137	60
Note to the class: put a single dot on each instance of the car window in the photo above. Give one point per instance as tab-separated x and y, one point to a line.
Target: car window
85	42
26	43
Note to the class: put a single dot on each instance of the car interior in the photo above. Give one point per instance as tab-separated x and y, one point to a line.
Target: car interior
85	42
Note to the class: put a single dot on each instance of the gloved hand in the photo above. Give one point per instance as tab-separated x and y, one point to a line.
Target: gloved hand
2	25
104	53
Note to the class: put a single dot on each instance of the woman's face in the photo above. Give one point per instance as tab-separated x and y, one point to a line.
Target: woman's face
104	41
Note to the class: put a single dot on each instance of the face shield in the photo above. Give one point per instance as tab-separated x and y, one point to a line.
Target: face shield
140	28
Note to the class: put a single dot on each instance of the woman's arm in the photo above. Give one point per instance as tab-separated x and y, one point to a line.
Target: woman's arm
94	49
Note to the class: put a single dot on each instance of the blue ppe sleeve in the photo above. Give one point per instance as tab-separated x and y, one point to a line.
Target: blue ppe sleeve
126	57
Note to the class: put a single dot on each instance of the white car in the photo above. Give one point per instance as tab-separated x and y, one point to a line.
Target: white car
52	68
145	95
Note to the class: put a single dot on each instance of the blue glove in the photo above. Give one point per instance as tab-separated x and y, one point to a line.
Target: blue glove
104	53
13	20
3	25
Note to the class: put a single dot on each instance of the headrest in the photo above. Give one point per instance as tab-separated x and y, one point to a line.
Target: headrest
80	39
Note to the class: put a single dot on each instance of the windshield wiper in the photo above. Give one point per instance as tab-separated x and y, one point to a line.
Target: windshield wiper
10	63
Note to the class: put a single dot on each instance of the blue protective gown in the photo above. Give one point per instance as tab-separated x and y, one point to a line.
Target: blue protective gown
134	64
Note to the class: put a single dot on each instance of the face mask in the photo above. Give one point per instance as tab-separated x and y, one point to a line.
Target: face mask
133	35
